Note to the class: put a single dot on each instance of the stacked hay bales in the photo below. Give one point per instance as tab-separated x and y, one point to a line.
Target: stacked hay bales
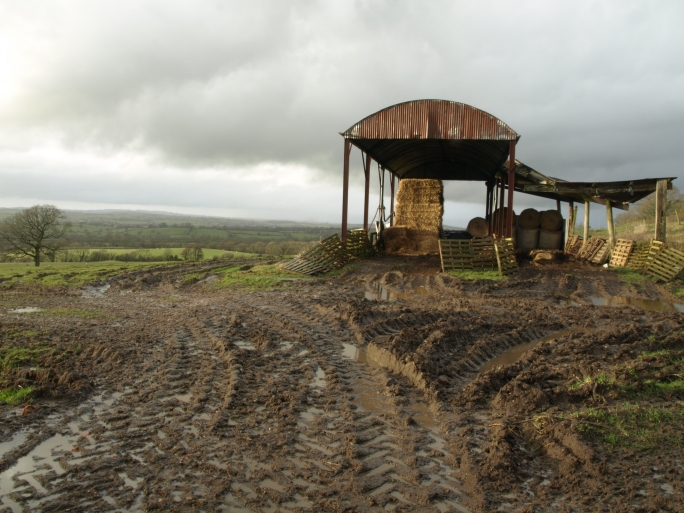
540	229
418	220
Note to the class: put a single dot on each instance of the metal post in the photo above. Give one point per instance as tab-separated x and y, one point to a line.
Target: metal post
391	199
586	221
366	170
661	214
488	200
511	187
495	200
609	222
558	206
501	226
345	190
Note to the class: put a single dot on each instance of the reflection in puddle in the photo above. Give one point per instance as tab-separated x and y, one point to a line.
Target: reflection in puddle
380	293
18	439
26	309
645	304
516	352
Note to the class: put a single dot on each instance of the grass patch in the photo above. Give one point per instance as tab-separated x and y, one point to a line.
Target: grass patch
257	277
635	426
14	396
477	275
17	357
74	312
633	278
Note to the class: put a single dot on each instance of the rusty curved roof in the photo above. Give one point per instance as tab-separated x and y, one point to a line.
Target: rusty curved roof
434	139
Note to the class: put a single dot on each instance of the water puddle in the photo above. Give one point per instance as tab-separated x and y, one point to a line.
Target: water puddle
26	309
18	439
516	352
243	344
651	305
95	291
380	293
319	379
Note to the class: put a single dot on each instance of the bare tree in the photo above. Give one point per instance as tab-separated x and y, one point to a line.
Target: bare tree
33	232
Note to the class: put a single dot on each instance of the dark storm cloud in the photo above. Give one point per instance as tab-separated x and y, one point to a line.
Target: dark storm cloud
594	88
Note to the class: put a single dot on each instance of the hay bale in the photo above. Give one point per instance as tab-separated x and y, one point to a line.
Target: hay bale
551	220
420	204
478	227
529	219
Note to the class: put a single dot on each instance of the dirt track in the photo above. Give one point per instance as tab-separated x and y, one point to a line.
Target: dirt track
309	397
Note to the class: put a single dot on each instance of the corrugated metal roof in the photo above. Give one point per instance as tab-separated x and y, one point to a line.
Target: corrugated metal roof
431	119
620	193
434	139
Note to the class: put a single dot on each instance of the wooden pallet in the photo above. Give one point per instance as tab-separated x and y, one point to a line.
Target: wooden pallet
620	255
505	257
323	257
654	250
455	254
357	244
667	264
573	244
602	255
637	258
483	254
588	250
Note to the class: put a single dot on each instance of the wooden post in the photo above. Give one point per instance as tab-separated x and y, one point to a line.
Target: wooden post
661	214
495	201
366	170
571	218
586	221
345	190
609	222
558	206
511	187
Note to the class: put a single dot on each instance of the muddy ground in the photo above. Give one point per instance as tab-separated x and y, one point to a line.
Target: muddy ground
376	389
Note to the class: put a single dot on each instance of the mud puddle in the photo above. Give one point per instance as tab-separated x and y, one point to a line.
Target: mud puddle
26	309
516	352
651	305
380	293
95	290
52	456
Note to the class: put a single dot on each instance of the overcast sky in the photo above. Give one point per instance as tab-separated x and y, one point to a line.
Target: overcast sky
235	108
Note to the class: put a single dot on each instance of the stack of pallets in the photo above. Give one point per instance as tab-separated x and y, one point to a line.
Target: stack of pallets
357	244
478	255
666	265
325	256
574	244
505	257
589	250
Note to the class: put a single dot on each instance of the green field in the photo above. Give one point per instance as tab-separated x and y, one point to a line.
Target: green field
67	273
158	252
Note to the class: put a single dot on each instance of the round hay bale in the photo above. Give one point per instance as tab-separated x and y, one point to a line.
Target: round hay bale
529	219
478	227
551	220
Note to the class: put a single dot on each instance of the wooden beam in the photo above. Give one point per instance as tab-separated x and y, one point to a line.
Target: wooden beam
511	189
366	171
661	211
611	226
559	188
571	218
586	222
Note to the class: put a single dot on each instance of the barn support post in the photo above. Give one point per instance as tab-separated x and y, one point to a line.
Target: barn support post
345	190
586	221
511	188
500	220
660	213
495	201
609	223
366	171
391	199
488	200
558	206
571	218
